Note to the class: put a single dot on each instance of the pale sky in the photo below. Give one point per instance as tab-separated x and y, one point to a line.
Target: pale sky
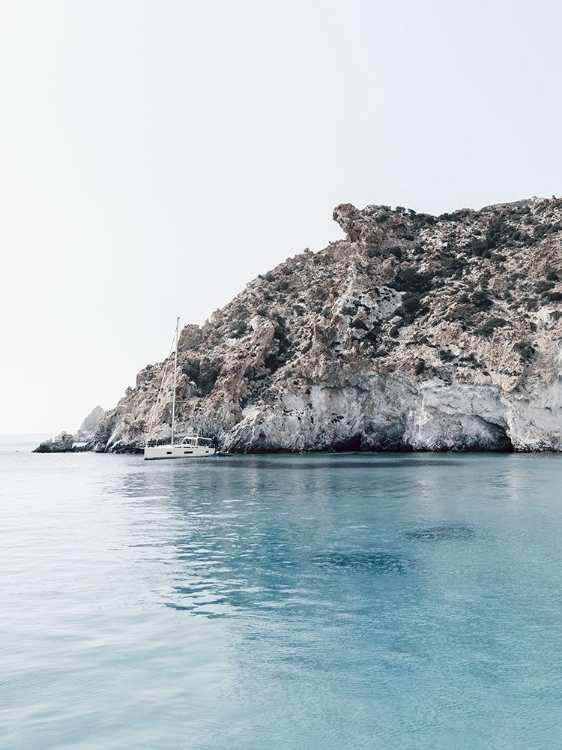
155	156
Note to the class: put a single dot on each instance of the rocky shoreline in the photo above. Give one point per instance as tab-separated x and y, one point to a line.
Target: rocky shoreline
415	332
82	441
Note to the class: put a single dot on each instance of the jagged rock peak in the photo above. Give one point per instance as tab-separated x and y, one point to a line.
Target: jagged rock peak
413	332
90	424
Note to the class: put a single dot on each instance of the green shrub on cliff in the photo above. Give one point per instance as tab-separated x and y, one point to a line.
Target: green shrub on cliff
490	326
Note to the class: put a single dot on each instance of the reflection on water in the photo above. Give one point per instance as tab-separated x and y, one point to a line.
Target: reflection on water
315	462
381	601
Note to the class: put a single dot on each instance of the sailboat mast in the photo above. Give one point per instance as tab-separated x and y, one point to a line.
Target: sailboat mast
175	376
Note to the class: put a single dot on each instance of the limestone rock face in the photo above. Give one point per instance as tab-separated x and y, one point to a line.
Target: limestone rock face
414	333
88	428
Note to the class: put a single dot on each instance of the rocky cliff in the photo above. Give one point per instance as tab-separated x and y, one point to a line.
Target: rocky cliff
414	332
64	442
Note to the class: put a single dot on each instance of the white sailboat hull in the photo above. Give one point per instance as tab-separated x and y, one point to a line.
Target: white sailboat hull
177	451
187	446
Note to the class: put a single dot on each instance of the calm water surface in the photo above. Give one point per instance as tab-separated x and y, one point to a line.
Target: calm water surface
294	602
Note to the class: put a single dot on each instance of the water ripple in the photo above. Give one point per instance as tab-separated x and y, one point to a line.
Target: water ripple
281	601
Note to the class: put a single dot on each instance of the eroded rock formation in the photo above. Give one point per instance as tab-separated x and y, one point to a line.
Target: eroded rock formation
89	426
61	443
414	332
64	442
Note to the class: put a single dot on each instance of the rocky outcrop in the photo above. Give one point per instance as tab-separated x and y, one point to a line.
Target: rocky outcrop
414	333
64	442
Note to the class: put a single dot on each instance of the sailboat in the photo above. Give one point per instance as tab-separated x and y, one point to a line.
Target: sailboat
190	446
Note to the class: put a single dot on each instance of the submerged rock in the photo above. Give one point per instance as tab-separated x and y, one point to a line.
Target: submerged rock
414	333
370	562
441	532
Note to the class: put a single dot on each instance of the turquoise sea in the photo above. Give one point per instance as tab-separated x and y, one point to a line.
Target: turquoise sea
291	602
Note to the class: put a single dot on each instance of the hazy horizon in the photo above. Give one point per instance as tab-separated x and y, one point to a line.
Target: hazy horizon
158	156
25	438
